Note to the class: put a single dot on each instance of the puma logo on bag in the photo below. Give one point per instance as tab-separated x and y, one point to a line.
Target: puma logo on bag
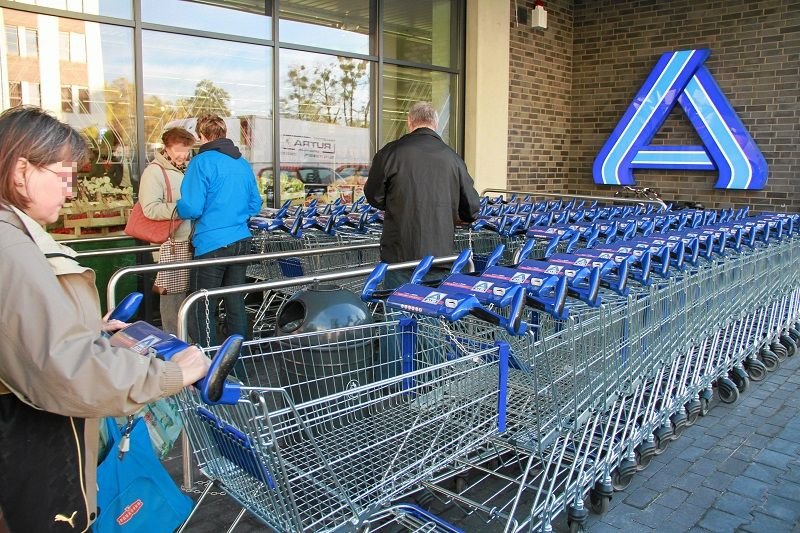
62	518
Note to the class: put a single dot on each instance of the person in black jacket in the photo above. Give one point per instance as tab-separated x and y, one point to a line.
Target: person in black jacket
425	190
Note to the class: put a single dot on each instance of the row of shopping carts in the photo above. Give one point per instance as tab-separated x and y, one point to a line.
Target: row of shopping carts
580	346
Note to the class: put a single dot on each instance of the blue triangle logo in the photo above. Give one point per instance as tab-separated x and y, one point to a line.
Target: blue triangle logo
681	78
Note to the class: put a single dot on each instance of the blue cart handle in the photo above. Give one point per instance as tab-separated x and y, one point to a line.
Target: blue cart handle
127	307
214	388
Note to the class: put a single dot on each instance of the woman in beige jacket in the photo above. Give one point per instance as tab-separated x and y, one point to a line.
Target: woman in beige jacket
58	373
171	162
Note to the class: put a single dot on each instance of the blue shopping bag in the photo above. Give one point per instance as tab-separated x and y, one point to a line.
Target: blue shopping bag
135	492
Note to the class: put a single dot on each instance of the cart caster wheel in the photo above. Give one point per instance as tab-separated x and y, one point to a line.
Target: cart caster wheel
794	334
644	454
425	499
461	484
728	393
779	350
622	476
576	518
662	437
600	497
705	397
790	345
770	360
755	369
692	408
740	378
678	420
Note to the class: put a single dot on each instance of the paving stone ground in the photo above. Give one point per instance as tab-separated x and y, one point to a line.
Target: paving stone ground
736	469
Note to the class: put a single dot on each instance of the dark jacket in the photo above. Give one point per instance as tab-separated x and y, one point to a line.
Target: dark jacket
425	189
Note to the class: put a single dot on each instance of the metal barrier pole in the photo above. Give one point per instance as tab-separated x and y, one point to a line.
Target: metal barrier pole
96	239
183	316
117	251
581	196
249	258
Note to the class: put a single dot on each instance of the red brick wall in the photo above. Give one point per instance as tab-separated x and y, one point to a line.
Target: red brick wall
755	58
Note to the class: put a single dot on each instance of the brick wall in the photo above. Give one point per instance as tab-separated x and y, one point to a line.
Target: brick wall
755	58
539	100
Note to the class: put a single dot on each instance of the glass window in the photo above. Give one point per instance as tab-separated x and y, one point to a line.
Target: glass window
63	45
419	31
12	40
107	8
230	79
31	93
84	103
31	42
246	18
325	126
403	86
338	24
66	99
14	93
77	47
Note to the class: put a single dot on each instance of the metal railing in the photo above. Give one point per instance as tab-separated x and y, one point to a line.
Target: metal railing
581	196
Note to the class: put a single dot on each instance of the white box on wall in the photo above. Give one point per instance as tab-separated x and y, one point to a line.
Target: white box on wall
539	17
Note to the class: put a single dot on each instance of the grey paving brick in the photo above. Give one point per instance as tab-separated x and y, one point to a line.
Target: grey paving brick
641	497
733	466
703	467
769	430
722	522
784	446
718	454
745	453
718	481
773	459
703	497
653	516
762	523
689	481
762	472
688	515
752	488
736	504
757	441
789	490
672	498
781	508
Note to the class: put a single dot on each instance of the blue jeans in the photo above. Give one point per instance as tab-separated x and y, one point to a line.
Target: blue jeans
212	277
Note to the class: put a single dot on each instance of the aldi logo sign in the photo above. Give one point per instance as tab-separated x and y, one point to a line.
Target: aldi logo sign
681	78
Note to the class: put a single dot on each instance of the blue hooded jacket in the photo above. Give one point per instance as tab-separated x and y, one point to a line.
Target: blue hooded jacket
219	192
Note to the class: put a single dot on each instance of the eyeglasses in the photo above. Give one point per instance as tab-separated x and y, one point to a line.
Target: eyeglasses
68	177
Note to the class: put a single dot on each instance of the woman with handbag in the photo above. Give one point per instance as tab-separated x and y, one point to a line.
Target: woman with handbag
159	192
58	373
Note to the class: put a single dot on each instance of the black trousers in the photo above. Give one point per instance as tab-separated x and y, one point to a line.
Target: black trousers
41	463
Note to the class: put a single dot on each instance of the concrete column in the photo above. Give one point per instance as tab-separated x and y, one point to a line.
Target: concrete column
486	92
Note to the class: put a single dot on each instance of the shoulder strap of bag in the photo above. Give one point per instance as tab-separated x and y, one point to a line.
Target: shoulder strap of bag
166	180
172	226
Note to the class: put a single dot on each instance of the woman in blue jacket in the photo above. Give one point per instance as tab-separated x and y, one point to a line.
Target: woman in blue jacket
219	194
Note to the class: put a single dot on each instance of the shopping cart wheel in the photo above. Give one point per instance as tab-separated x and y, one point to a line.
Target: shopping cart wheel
425	499
739	378
678	420
662	437
779	350
622	476
770	360
728	393
755	369
788	343
644	454
693	409
576	518
794	334
600	497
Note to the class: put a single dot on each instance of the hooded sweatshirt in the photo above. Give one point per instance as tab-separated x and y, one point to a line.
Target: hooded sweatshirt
219	192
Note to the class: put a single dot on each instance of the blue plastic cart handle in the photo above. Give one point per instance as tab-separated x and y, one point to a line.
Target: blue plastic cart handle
127	307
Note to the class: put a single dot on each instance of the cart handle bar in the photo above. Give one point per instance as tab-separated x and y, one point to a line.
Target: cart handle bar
111	289
183	311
